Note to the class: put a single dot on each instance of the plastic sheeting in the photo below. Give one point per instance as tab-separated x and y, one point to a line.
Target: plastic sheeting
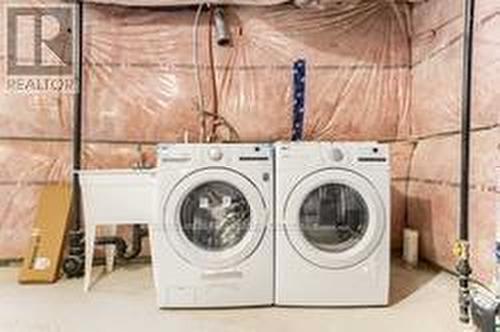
139	87
164	3
437	58
433	193
343	4
347	53
371	76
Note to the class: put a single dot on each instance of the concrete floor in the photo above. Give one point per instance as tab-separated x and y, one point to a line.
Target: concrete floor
421	300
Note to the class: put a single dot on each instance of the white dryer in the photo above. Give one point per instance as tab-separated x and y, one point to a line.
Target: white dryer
332	218
212	235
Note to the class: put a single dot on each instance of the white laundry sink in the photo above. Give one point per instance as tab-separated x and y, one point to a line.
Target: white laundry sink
117	196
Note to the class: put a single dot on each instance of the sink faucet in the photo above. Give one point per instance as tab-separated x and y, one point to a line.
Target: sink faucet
141	162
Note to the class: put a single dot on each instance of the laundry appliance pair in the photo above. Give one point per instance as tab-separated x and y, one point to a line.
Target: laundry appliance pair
295	223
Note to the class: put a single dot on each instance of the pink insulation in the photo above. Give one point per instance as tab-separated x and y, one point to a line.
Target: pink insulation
401	154
254	75
437	66
433	197
433	193
139	87
34	116
378	70
155	3
26	167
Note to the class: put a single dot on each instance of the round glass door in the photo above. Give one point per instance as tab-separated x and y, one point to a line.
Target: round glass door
334	217
215	216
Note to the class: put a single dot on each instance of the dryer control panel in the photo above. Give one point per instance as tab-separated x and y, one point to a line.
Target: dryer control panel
333	153
374	153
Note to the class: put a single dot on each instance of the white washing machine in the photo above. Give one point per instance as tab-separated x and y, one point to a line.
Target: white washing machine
212	235
332	218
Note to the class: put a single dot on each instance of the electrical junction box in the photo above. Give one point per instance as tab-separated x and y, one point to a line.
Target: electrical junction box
43	257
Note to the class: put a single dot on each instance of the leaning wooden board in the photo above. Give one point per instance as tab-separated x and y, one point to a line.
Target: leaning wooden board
45	250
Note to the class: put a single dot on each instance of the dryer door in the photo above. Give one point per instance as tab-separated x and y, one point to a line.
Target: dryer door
334	218
215	218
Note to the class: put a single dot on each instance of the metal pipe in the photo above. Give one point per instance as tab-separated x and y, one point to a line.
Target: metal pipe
463	267
118	242
222	35
466	117
77	113
138	234
73	265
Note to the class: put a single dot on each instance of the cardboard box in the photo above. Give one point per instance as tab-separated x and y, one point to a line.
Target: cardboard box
45	250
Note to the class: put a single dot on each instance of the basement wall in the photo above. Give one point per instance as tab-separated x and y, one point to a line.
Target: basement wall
364	82
139	89
433	194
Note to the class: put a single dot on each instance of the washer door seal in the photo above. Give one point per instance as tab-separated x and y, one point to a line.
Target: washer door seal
334	218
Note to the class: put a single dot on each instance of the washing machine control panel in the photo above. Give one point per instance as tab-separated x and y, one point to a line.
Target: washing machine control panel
174	155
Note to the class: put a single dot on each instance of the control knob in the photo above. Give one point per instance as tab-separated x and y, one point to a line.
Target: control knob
215	154
337	155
